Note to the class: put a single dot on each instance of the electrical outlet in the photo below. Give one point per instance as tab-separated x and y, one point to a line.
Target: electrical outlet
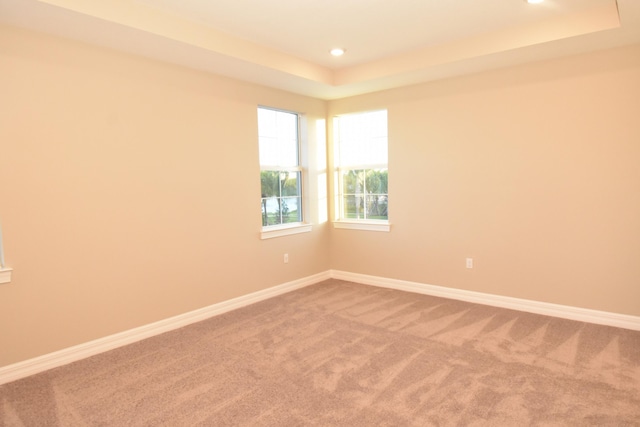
286	258
469	262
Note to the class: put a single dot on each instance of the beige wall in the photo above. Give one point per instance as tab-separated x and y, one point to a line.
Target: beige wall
533	171
129	189
130	192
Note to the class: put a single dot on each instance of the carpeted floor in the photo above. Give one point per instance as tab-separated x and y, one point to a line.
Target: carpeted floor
344	354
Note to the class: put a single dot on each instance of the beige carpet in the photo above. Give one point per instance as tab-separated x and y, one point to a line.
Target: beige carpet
344	354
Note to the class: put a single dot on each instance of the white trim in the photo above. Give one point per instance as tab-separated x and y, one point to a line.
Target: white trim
5	275
62	357
537	307
284	230
363	225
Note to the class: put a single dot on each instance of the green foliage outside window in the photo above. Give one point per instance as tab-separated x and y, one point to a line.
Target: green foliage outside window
366	194
280	197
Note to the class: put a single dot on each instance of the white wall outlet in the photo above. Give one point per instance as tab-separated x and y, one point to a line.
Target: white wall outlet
469	262
5	275
286	258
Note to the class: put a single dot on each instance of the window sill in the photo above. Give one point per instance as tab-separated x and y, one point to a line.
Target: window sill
5	275
284	230
383	226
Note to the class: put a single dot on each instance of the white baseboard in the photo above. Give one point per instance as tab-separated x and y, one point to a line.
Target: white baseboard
62	357
547	309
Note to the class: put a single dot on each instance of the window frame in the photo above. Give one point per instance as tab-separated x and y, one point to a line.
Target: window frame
289	228
341	220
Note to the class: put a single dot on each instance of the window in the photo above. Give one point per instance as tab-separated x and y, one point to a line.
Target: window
280	169
361	170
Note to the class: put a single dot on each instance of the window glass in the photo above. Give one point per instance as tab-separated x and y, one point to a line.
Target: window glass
361	159
280	170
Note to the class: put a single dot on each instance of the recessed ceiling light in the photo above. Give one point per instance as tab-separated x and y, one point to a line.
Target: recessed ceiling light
338	51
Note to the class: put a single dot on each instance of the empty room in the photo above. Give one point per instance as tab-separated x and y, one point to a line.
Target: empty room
333	213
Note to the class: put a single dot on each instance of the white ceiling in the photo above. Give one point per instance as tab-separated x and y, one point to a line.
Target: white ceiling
285	43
